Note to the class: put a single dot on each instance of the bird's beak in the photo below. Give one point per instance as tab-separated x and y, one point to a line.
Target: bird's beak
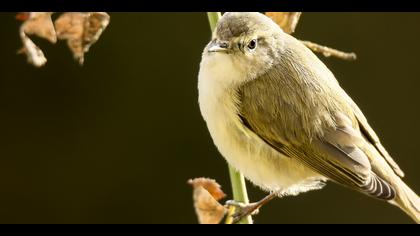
218	46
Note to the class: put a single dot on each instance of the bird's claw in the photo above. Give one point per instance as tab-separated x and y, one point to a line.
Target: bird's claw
242	210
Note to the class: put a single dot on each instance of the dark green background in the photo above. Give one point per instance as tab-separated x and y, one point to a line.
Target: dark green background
116	140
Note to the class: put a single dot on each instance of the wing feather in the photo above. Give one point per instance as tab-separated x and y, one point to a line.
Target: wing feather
333	152
370	135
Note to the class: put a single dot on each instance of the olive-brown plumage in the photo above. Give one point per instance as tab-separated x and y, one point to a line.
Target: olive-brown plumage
278	114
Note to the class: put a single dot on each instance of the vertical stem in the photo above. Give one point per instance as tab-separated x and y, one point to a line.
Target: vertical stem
213	18
237	179
239	191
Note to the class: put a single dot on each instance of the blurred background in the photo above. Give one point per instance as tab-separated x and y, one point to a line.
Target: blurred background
116	140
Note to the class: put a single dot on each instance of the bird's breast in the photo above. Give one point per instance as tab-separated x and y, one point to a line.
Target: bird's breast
243	149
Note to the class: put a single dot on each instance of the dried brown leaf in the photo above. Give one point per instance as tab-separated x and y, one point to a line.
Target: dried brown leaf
208	210
286	20
206	192
33	53
81	30
40	24
210	185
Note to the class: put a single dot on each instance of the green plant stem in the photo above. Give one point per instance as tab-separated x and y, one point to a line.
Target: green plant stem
239	191
213	19
236	178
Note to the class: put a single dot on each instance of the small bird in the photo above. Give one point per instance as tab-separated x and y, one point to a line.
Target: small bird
277	114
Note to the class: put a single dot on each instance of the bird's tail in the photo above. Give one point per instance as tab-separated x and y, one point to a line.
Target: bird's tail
407	200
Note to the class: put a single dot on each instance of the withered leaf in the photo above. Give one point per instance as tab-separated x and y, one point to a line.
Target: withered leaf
206	192
40	24
81	30
286	20
34	54
210	185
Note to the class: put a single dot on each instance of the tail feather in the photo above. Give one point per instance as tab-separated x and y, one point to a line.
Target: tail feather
378	188
408	201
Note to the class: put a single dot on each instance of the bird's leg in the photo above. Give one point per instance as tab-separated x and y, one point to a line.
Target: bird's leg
242	210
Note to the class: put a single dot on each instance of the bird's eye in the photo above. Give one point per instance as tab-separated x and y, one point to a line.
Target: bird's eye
252	44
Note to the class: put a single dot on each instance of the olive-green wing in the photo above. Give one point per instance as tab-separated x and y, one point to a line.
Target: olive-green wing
337	155
371	136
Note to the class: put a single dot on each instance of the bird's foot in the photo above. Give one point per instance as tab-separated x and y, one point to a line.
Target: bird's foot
243	210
